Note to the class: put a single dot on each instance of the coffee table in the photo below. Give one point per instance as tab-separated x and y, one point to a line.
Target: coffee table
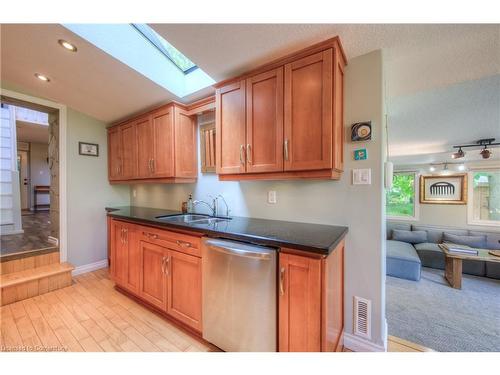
453	264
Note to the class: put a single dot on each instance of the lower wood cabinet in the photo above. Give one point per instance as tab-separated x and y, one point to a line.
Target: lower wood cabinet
159	267
311	302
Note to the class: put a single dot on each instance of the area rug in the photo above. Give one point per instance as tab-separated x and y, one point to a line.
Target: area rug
430	313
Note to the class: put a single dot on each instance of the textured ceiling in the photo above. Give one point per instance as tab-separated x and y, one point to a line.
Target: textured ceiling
425	65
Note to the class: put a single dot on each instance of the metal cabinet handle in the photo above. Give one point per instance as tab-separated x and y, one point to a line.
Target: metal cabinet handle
282	281
286	149
242	154
167	263
183	243
121	235
150	235
152	165
125	235
249	153
163	264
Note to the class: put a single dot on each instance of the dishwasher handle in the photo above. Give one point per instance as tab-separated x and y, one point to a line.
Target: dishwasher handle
231	250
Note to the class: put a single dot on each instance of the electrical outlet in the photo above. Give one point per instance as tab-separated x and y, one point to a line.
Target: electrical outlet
271	196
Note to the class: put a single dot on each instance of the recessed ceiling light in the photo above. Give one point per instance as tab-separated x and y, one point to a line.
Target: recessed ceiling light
461	167
67	45
42	77
432	168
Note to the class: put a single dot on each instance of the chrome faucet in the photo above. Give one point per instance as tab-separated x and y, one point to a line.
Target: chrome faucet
214	207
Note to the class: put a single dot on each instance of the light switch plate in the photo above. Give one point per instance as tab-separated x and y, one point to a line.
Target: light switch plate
271	196
362	176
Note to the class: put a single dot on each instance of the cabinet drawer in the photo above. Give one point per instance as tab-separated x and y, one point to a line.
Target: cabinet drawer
172	240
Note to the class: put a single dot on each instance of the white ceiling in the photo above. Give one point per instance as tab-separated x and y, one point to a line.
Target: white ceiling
421	62
31	132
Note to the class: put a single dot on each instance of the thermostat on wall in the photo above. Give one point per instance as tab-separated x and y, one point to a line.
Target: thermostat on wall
362	176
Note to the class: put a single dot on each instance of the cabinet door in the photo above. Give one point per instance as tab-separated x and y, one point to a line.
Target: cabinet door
153	283
114	154
264	122
163	143
118	255
184	288
299	304
308	113
129	151
230	128
186	150
144	134
133	258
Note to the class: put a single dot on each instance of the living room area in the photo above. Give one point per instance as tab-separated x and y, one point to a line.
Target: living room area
443	212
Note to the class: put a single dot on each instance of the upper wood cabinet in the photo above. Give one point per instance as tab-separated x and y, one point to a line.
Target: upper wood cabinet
283	120
159	146
308	113
264	122
230	128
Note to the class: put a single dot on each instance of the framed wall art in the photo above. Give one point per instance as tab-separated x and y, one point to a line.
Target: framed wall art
446	189
88	149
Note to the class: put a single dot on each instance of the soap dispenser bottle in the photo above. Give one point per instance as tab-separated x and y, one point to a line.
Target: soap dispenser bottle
190	204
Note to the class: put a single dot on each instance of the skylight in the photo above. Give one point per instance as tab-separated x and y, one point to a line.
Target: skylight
172	53
142	49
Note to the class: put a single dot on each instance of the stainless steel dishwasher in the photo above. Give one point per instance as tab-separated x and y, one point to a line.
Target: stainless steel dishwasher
239	296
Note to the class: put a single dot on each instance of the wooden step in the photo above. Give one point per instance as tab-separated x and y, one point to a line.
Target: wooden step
32	282
28	260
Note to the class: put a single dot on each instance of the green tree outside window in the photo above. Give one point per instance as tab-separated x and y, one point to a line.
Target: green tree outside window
400	200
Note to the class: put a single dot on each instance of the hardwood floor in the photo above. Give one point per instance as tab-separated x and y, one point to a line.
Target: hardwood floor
90	315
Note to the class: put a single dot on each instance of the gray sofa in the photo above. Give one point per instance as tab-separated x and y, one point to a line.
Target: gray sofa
404	259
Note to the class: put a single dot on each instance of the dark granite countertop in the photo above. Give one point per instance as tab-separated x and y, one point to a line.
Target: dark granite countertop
315	238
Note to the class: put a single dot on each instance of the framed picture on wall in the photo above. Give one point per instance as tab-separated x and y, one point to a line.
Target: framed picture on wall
447	189
88	149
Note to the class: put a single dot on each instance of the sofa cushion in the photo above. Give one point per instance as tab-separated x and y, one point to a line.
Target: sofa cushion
402	260
415	236
472	241
435	233
492	239
493	270
390	226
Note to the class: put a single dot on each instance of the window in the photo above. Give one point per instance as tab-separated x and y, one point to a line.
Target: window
484	197
172	53
400	200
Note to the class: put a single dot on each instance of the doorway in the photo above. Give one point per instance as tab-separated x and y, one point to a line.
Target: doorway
24	178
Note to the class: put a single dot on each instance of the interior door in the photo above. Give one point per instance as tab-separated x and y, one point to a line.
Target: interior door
230	128
308	112
184	288
144	133
153	283
129	150
24	178
264	122
114	154
163	143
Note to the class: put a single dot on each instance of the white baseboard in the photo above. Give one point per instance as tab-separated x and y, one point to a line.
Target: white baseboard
6	232
90	267
357	344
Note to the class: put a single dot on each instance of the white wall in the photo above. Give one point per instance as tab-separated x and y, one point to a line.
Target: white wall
327	202
89	191
39	171
448	215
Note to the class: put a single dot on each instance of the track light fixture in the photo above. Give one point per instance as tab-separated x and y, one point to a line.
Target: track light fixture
482	143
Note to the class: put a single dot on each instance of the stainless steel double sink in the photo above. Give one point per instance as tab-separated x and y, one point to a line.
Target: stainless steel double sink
192	219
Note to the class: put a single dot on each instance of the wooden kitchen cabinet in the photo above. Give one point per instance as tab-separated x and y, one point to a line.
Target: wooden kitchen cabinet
308	112
264	122
153	279
311	301
125	255
284	120
184	288
158	146
230	128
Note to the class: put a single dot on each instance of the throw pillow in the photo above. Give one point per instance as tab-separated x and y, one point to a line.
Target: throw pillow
472	241
410	236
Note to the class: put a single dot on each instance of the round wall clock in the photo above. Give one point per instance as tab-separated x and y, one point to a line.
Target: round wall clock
361	131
